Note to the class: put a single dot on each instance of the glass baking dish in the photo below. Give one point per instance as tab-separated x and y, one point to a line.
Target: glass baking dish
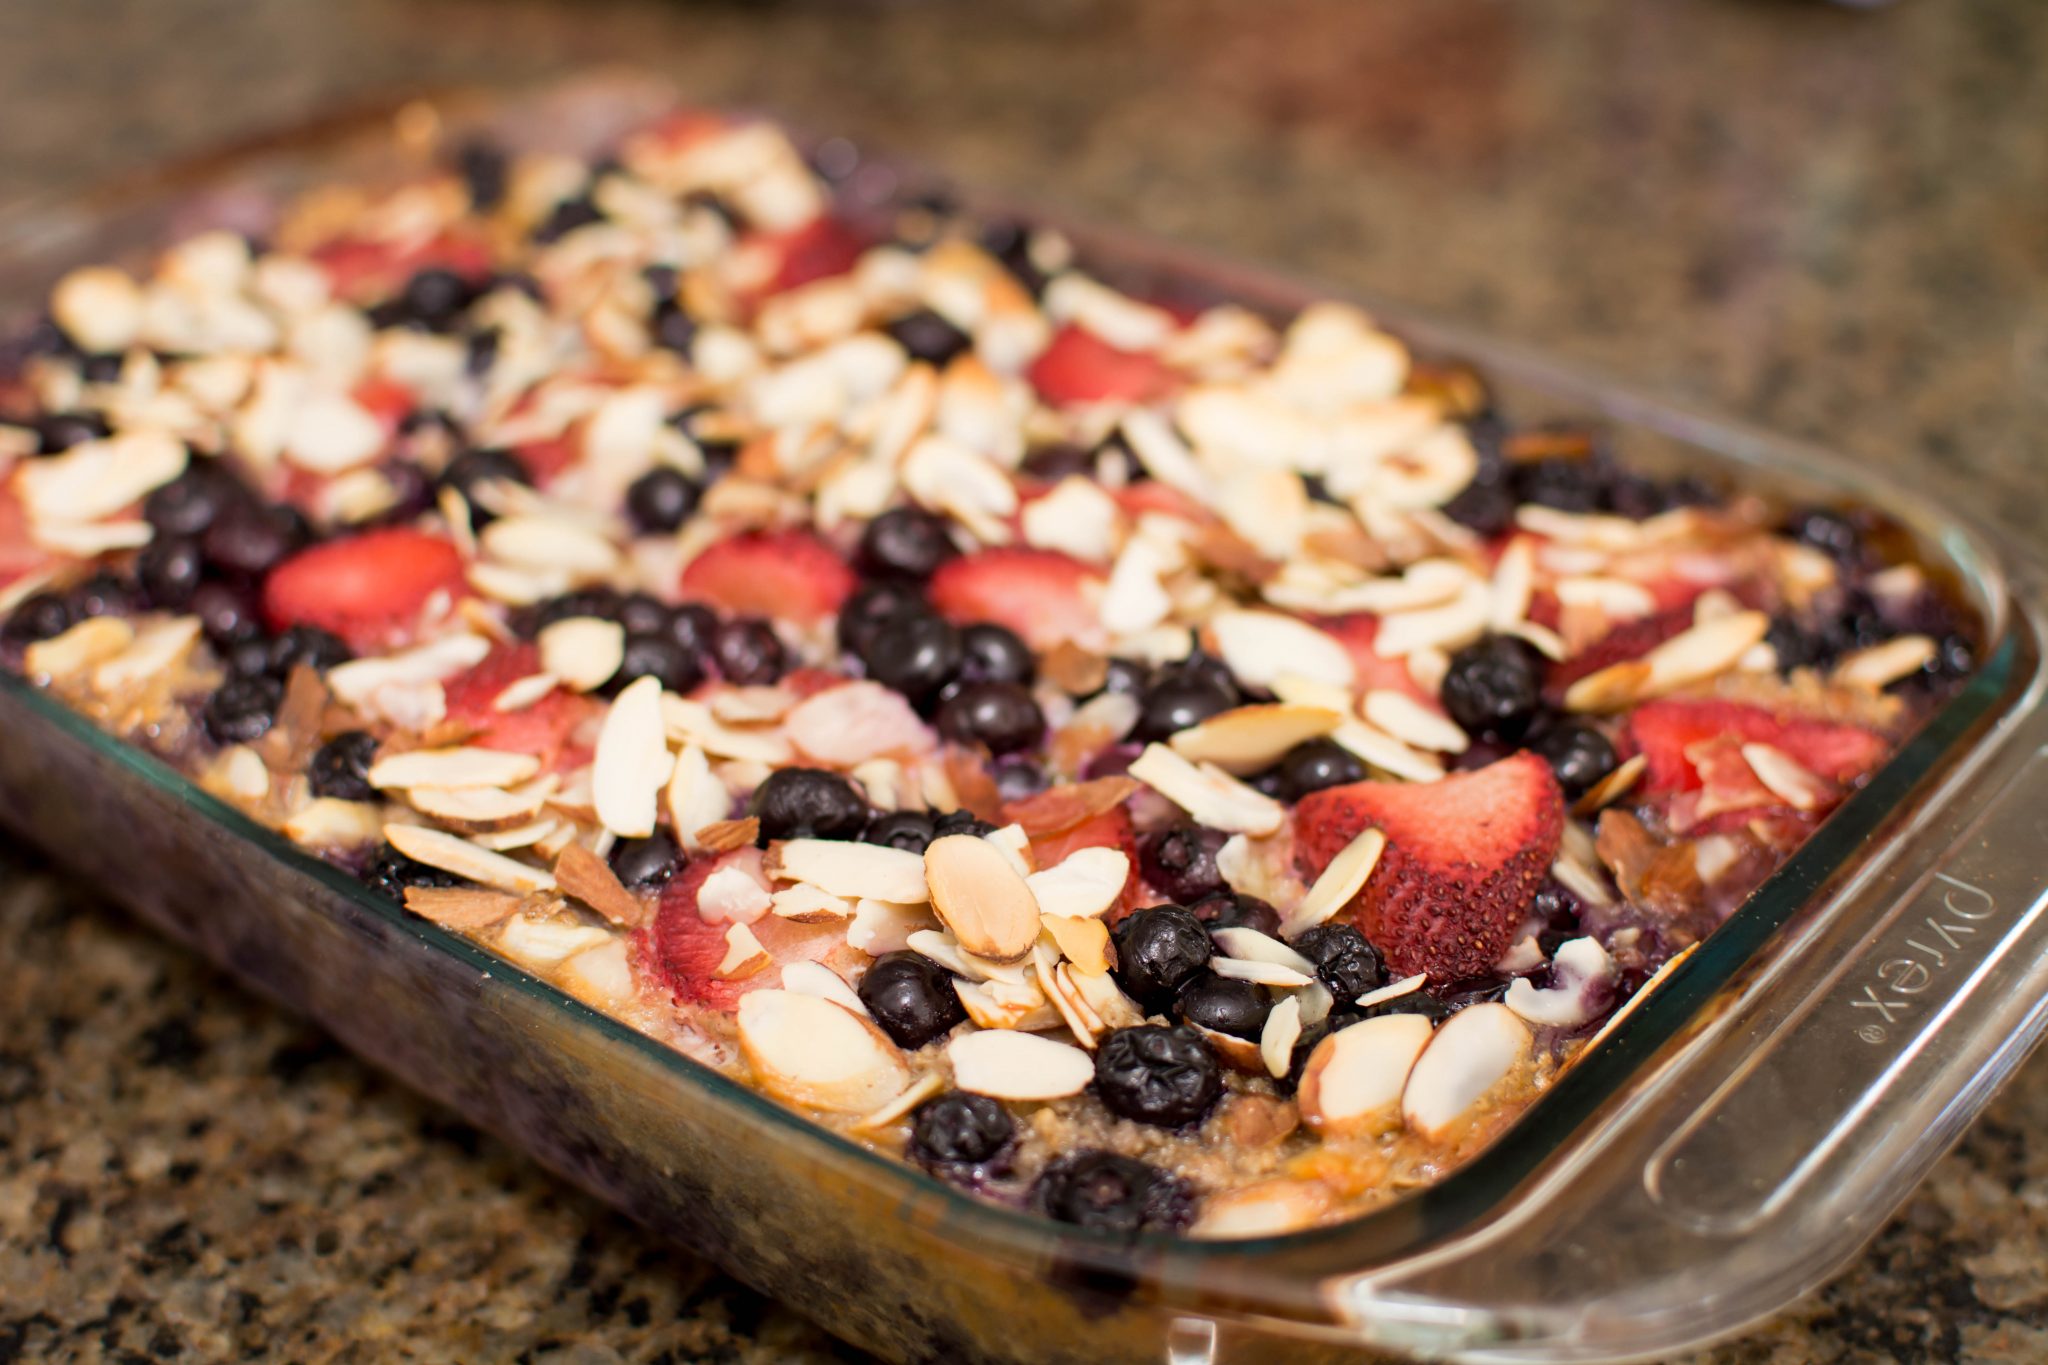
1756	1118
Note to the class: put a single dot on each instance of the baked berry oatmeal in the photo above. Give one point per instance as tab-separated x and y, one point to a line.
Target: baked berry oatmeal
1141	761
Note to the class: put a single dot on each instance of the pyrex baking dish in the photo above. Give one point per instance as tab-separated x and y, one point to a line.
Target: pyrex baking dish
1749	1125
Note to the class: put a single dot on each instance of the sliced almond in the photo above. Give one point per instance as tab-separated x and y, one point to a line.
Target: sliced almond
1267	1209
879	927
811	1051
1249	945
1570	1000
853	870
815	978
1282	1030
1879	666
95	479
807	904
548	543
476	810
1083	885
632	763
1008	1065
1457	623
1210	795
543	944
1013	843
583	651
1246	739
1414	724
523	836
744	954
1514	581
733	894
1612	787
979	895
523	692
1099	992
1007	1005
1259	973
1058	987
1084	942
1394	990
697	801
590	879
92	642
1343	879
922	1089
1693	655
1261	646
461	907
1355	1077
326	822
1475	1050
601	976
451	853
449	769
722	836
692	722
1785	776
1386	753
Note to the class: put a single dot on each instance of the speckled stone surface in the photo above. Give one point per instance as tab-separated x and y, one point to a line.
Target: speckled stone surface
1827	220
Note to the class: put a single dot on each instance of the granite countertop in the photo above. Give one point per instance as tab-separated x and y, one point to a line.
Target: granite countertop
1824	219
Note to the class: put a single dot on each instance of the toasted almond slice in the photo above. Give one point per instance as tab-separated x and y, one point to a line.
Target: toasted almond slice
632	762
744	954
1249	945
1262	646
1013	843
590	879
696	799
1693	655
542	944
1343	879
722	836
758	705
452	768
1083	885
1008	1065
922	1089
524	836
1300	690
811	1051
1474	1051
1267	1209
476	810
1084	942
523	692
1514	583
1457	623
1414	724
1394	990
853	870
1248	738
548	543
100	308
1212	796
1581	880
692	722
238	772
1785	776
451	853
732	894
464	908
1259	973
879	927
1568	1002
583	651
1879	666
1002	1005
601	976
979	895
1575	528
807	904
95	479
815	978
92	642
85	539
1383	751
1277	1038
1617	598
1058	991
1165	456
358	680
1355	1077
1612	787
326	822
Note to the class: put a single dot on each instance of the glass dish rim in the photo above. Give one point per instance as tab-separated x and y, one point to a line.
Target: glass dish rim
1536	1135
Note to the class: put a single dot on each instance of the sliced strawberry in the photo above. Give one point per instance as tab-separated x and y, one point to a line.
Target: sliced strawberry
1375	672
818	250
1671	733
1111	829
546	458
542	729
686	949
387	400
785	575
1040	594
368	589
1464	858
1629	640
1079	367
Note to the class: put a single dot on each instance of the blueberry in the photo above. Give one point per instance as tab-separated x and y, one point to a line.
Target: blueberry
928	337
658	656
916	653
168	571
1205	668
871	606
1229	910
909	830
1345	962
808	803
1316	764
603	603
1009	241
242	709
227	612
1018	777
748	651
904	543
1180	861
480	351
566	217
102	594
1051	463
484	169
250	539
1159	950
643	864
1165	1076
641	614
1174	703
103	368
911	997
39	617
1828	531
190	503
1792	645
433	300
1568	484
474	468
1493	687
993	653
692	626
248	658
1126	677
340	768
661	500
999	715
317	649
960	822
1225	1005
57	432
1559	911
1580	756
957	1130
1115	1194
1486	507
673	327
391	872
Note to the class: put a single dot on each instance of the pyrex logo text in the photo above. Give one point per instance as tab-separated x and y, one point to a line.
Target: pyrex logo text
1949	933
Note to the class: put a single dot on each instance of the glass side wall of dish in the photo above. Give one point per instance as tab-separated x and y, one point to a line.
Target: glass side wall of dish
1160	766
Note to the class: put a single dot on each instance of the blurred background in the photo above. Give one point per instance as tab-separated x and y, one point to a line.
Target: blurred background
1830	220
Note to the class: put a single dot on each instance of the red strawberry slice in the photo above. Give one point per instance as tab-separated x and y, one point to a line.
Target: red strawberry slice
818	250
547	458
1667	732
783	575
1111	829
1464	858
369	589
387	400
542	729
1040	594
1079	367
686	950
19	555
1375	673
